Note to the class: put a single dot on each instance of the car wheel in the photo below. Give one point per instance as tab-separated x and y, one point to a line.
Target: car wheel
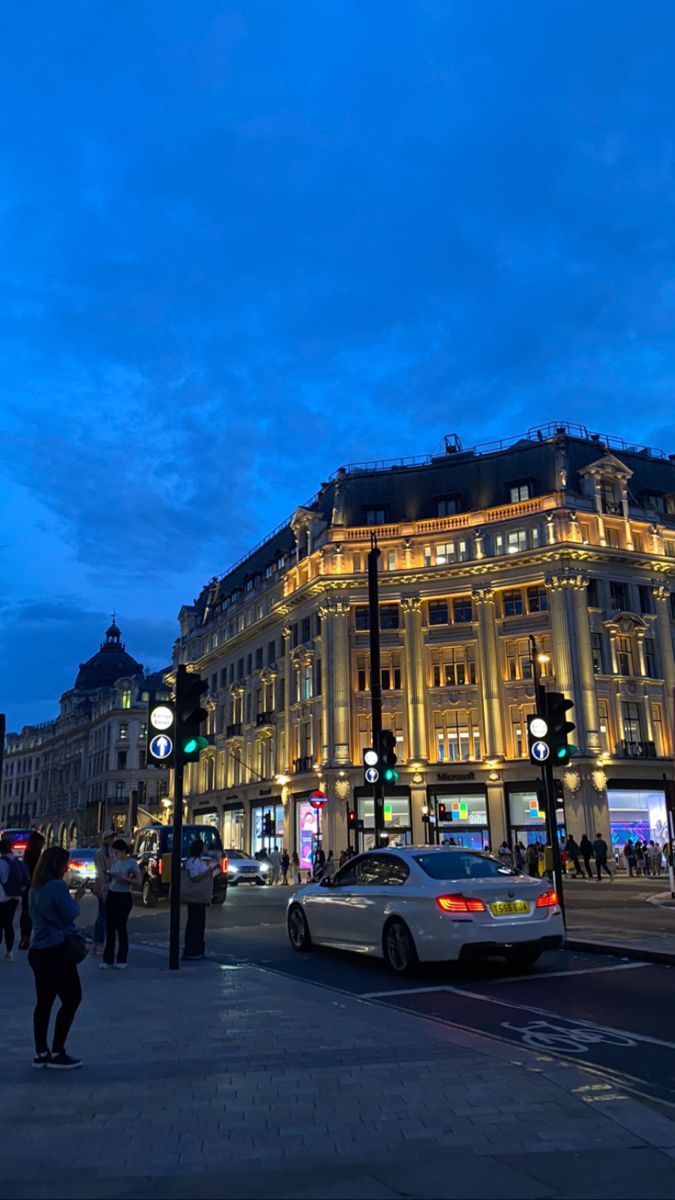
220	898
521	958
233	883
298	929
148	897
260	882
399	948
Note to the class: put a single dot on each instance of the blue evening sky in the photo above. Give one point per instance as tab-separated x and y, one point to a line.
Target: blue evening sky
242	244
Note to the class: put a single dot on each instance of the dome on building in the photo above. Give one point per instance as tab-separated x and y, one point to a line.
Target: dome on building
111	662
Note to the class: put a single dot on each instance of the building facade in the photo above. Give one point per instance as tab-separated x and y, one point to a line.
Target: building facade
86	770
561	543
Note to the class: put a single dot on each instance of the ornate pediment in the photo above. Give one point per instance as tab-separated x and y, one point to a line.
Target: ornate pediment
626	623
609	467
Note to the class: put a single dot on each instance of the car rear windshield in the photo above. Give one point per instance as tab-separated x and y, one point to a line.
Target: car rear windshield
210	837
453	864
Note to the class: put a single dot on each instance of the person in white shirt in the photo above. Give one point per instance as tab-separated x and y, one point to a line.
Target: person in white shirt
200	870
124	871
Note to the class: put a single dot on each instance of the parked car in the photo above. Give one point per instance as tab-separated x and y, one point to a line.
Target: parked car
18	838
244	868
81	869
152	848
428	904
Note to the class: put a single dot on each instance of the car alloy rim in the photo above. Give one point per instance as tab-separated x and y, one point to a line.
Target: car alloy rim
297	924
397	944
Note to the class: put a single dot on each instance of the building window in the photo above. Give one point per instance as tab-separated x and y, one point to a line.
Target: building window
438	612
596	653
654	500
462	610
592	593
603	720
448	506
375	516
317	677
519	731
618	595
650	658
518	660
608	499
121	760
361	618
645	599
124	731
390	560
306	682
362	673
516	540
657	722
126	699
389	616
518	492
632	728
454	667
390	675
624	655
451	552
612	537
537	599
142	759
512	604
458	737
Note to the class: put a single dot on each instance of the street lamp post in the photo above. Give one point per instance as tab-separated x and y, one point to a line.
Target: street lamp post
550	805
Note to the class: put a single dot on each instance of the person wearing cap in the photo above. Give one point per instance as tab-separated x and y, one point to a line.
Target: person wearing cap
103	866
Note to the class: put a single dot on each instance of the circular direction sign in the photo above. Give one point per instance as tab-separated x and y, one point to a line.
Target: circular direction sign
161	746
161	717
540	751
538	727
372	774
370	758
318	799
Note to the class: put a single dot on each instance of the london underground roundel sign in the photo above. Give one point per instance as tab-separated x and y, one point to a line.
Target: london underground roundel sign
318	799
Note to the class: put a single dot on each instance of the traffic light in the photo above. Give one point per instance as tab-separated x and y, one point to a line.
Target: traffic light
351	819
442	812
269	825
557	707
388	756
190	716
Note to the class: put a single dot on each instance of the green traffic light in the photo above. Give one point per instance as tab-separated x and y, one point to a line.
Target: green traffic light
190	746
562	753
390	775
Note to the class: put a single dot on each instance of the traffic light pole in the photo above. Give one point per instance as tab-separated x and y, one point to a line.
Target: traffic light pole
375	681
176	849
549	785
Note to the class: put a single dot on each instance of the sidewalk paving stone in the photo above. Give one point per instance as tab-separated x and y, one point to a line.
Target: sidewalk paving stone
202	1083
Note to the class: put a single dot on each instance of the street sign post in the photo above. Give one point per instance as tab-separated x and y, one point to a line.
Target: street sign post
161	733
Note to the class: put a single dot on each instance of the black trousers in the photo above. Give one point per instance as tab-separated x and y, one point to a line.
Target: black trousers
25	923
600	866
195	927
55	975
7	910
118	907
587	864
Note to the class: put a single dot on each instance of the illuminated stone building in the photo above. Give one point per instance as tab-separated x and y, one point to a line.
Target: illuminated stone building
87	769
562	536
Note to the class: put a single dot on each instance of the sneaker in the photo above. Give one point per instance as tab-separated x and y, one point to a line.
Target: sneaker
120	966
63	1062
9	957
41	1060
104	966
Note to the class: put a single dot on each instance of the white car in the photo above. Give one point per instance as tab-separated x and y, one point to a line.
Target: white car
244	868
428	904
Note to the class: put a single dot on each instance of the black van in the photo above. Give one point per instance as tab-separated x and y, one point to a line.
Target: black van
152	848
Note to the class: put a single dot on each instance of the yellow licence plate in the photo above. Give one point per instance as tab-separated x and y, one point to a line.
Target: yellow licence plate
508	908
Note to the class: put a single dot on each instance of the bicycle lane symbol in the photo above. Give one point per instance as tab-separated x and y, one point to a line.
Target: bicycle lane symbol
546	1035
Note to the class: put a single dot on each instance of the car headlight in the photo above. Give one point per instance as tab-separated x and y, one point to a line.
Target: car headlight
265	867
231	867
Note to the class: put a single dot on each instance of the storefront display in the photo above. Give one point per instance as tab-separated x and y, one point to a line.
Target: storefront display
206	816
397	820
527	819
258	841
306	831
462	817
233	828
638	814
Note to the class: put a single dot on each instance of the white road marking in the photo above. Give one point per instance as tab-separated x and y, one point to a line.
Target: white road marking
629	966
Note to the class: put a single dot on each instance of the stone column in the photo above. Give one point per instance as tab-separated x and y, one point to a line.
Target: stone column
661	594
327	613
491	683
590	735
288	765
560	635
335	700
414	676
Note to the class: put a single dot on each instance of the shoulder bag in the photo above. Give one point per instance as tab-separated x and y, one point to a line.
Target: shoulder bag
195	892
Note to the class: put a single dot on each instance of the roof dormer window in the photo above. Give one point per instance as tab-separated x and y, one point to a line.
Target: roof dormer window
447	506
375	516
520	491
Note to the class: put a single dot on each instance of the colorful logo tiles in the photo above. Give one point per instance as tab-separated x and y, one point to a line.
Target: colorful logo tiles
460	810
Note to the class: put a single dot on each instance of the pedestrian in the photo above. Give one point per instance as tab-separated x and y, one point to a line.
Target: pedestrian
124	871
285	864
31	856
655	857
572	851
532	859
519	856
600	852
295	867
13	883
103	861
505	855
53	912
586	852
330	867
196	891
629	855
319	862
275	860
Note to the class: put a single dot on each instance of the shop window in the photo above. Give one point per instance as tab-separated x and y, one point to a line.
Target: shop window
537	599
438	612
637	814
650	658
512	603
462	610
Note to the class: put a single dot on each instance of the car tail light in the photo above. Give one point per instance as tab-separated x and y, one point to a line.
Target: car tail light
224	864
160	862
19	847
459	903
548	900
76	866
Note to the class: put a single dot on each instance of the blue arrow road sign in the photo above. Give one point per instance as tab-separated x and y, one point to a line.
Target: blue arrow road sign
161	746
372	774
540	751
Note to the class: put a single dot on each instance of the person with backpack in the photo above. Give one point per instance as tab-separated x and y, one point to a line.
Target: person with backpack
13	883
